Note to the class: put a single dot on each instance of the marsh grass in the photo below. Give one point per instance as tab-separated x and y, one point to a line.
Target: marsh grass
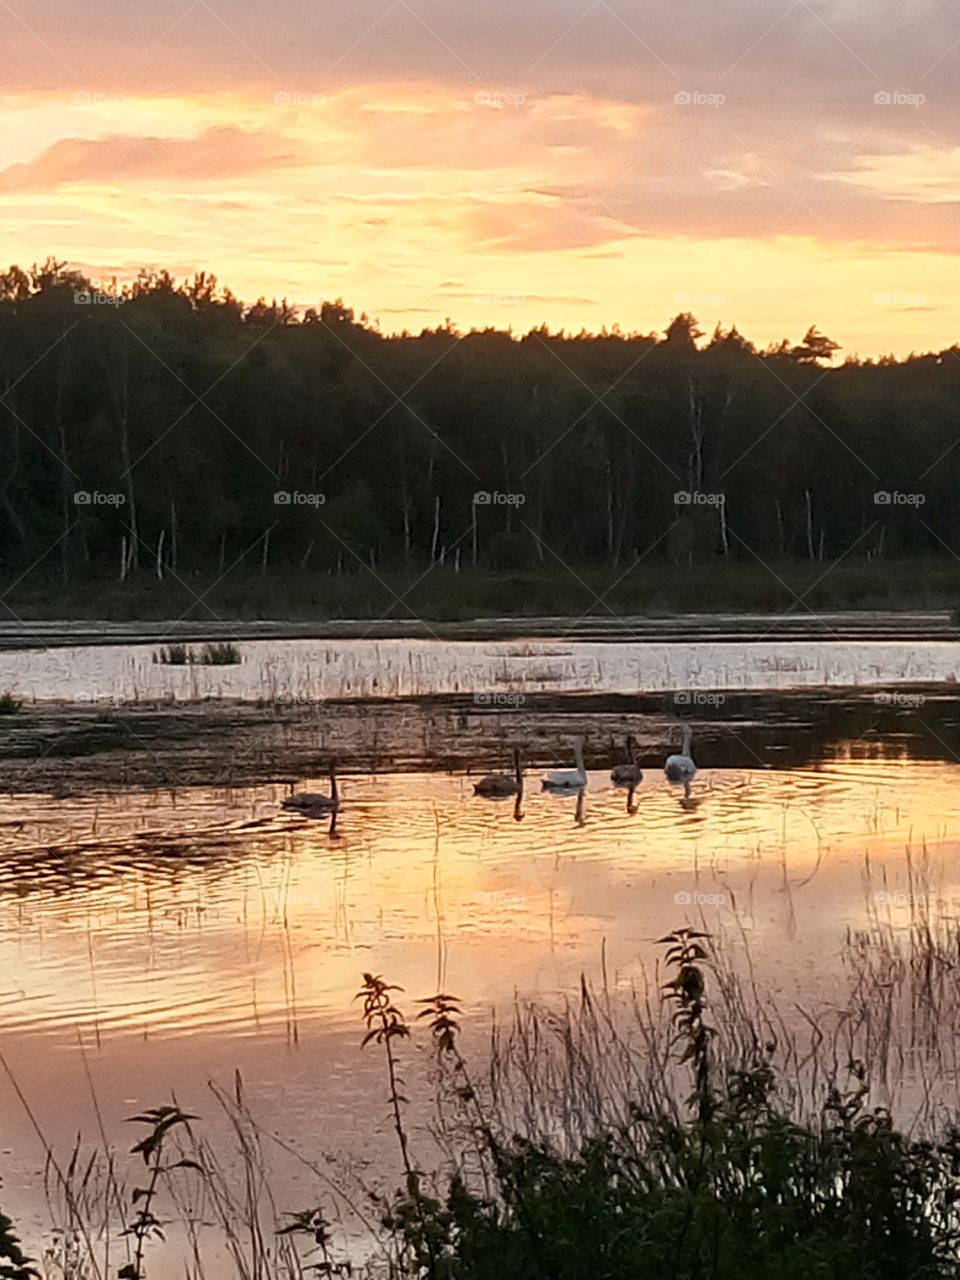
9	705
218	654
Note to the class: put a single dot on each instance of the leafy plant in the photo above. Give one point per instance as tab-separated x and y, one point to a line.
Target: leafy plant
161	1121
14	1264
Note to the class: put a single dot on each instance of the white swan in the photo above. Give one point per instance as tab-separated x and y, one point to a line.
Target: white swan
314	803
568	779
680	769
495	785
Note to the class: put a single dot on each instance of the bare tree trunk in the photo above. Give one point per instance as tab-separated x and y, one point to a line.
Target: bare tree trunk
436	530
405	500
695	398
68	506
160	554
12	423
266	552
610	544
724	540
122	396
809	524
780	530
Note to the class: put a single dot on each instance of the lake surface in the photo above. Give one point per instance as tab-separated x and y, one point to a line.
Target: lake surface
242	946
152	939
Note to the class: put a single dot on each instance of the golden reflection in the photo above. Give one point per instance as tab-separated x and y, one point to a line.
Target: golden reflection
228	924
233	934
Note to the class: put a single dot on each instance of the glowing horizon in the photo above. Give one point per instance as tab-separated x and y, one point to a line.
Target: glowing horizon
422	167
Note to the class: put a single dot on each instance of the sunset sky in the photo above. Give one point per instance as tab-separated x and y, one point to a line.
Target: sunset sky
759	162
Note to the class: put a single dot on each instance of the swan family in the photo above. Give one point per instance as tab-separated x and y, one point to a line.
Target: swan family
679	770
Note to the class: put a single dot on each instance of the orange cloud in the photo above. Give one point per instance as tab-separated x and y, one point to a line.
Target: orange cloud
118	158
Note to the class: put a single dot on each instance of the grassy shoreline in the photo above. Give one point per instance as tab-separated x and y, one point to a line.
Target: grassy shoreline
439	594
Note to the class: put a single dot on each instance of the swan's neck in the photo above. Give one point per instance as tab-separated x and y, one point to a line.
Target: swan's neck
334	794
687	739
518	772
578	756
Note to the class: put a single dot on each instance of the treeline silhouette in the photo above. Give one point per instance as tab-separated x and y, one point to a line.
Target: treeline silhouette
167	428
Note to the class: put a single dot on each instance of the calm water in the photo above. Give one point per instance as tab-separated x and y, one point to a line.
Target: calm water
172	938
